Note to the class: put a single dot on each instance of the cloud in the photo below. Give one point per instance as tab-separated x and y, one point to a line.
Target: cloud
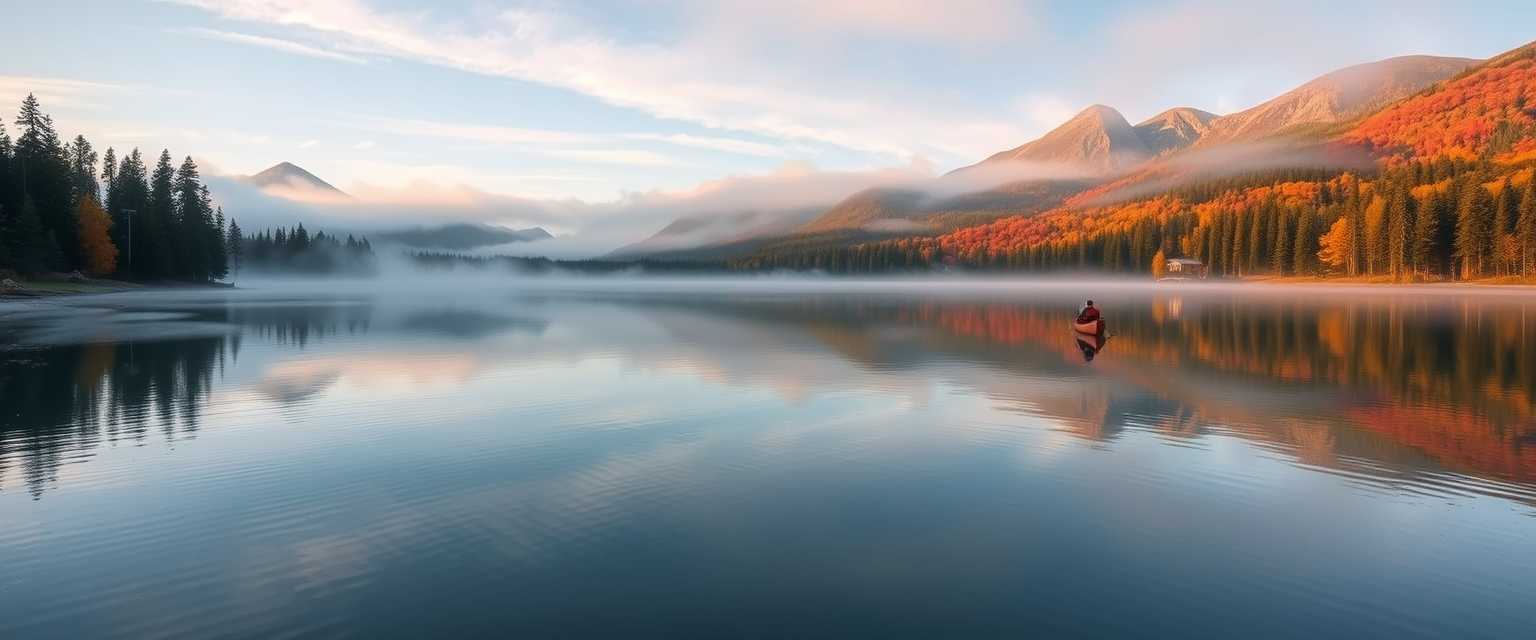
729	145
309	144
564	144
275	44
54	92
717	69
587	228
364	145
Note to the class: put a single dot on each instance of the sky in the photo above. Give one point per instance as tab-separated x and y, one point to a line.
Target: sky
566	114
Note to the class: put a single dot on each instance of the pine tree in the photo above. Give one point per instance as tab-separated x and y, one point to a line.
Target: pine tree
1280	256
234	245
130	214
160	222
108	179
190	229
1474	223
1399	223
1501	235
1526	228
1426	237
44	183
1305	247
82	170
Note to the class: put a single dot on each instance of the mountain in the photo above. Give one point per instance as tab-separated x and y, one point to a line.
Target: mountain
461	236
1174	129
1097	138
1336	97
289	176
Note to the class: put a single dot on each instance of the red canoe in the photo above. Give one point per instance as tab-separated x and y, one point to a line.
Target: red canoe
1094	328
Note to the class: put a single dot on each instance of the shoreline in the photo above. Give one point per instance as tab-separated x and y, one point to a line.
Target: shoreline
43	289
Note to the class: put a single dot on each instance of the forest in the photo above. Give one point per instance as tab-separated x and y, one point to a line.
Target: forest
295	251
59	212
1449	197
65	208
1417	221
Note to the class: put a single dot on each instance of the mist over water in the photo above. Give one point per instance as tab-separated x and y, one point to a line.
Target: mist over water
463	453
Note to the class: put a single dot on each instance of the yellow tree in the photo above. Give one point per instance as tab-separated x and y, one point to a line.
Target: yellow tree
95	242
1159	265
1337	245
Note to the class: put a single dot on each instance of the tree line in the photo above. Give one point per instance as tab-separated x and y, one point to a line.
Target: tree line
58	212
1422	220
294	250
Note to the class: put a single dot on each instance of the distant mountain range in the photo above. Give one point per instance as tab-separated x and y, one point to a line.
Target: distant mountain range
461	236
1104	146
289	180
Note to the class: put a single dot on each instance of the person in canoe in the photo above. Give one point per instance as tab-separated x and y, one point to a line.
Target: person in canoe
1088	320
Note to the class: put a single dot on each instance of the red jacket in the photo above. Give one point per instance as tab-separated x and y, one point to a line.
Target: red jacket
1088	314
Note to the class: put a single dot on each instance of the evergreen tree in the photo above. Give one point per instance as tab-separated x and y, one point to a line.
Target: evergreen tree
1474	226
159	222
1425	251
1526	228
234	245
130	213
1399	223
1305	247
191	227
108	180
82	170
44	181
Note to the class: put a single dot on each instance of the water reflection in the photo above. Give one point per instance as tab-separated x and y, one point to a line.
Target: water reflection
1390	390
746	458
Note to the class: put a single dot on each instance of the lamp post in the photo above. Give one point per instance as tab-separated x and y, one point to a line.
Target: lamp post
128	220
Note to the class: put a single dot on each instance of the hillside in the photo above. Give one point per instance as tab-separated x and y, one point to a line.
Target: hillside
461	236
1335	97
1490	110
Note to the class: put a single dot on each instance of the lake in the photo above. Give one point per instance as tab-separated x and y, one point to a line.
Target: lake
768	458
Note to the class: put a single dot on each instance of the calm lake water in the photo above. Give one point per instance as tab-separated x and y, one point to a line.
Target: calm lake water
634	458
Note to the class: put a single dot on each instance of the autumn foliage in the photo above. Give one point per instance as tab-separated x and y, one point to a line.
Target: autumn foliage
96	248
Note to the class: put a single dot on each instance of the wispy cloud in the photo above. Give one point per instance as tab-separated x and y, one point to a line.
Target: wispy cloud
729	145
275	44
309	144
54	92
704	73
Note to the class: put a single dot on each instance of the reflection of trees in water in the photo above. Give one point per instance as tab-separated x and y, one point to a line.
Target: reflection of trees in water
1456	382
63	402
1408	382
298	324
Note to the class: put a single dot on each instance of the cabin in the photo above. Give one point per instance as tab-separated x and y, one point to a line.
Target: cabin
1184	268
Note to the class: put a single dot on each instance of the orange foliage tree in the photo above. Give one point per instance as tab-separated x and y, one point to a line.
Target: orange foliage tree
95	241
1337	245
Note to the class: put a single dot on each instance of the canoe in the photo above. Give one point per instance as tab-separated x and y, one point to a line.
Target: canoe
1093	328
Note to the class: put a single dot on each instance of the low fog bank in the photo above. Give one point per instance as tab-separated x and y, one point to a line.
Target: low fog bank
397	278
